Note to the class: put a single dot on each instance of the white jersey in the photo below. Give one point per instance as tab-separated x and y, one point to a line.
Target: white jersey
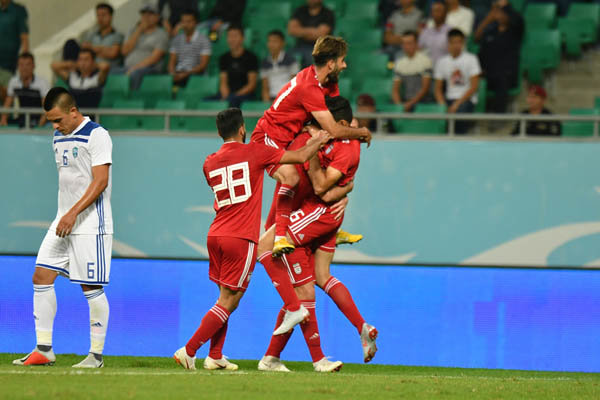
87	146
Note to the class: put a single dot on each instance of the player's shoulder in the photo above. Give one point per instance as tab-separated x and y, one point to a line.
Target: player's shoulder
93	130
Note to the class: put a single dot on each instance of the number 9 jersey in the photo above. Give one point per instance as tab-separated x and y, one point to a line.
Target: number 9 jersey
235	173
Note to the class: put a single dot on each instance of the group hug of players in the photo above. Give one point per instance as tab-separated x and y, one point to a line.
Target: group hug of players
309	142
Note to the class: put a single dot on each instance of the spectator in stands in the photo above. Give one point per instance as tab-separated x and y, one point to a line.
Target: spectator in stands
412	74
85	78
14	37
238	70
103	39
307	24
145	47
459	71
500	35
434	38
386	8
366	103
224	14
30	90
536	97
407	18
278	67
176	9
459	17
190	50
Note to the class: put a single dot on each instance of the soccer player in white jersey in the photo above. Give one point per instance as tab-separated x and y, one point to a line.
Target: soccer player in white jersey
78	244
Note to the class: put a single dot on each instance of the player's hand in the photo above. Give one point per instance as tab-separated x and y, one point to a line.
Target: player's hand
323	136
312	130
338	208
65	225
366	136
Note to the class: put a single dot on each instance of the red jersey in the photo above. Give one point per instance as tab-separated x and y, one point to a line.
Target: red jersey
292	108
235	173
343	155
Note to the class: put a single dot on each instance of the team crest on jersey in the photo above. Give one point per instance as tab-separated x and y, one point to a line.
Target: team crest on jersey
75	152
301	236
297	268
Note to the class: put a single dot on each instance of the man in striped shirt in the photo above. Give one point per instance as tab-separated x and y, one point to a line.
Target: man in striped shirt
190	51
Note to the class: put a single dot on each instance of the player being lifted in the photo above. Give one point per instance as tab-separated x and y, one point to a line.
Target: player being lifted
299	101
314	227
235	174
78	244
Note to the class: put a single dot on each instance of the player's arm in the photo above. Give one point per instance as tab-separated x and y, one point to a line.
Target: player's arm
322	179
304	154
338	131
99	183
337	193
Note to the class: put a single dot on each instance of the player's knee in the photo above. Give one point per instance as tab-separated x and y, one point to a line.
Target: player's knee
306	292
43	276
322	279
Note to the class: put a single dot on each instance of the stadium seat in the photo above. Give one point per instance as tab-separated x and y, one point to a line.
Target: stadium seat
481	96
347	28
205	124
365	41
123	122
253	106
579	129
116	86
198	87
275	9
361	10
345	85
540	15
426	127
541	51
154	88
393	108
157	123
60	82
379	88
518	5
586	11
597	103
376	67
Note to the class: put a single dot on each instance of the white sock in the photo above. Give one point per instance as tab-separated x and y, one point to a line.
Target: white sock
98	319
44	310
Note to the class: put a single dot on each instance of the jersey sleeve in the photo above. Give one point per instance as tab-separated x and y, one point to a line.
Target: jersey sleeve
100	147
313	99
266	155
345	157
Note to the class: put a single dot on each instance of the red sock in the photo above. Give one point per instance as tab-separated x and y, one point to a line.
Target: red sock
213	320
281	280
343	299
283	207
278	342
216	343
310	330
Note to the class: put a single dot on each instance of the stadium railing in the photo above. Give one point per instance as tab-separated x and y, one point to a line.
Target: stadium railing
380	117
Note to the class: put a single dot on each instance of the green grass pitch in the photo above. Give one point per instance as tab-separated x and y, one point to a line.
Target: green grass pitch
161	378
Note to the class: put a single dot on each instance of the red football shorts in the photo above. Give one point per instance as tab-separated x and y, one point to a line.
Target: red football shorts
231	261
262	137
300	266
314	224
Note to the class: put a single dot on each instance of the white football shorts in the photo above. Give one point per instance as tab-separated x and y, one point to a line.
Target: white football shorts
81	258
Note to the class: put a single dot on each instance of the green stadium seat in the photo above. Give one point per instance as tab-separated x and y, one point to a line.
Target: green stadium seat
253	106
579	129
347	28
60	82
205	124
275	9
540	15
370	39
198	87
109	98
123	122
117	86
481	96
154	88
345	85
361	10
379	88
157	123
597	103
541	51
585	11
518	5
393	108
376	67
426	127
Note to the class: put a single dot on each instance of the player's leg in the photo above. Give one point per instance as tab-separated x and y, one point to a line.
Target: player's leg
288	177
52	259
90	257
341	296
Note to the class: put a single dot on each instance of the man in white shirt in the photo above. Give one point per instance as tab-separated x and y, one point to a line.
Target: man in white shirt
460	17
459	70
412	74
78	243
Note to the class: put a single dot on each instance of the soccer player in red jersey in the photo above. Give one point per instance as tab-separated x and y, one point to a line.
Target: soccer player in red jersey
299	101
314	227
235	174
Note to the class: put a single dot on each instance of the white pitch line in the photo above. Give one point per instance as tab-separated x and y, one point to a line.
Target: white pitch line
114	373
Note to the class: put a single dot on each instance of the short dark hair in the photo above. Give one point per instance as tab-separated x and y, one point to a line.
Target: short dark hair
190	11
411	33
106	6
328	48
236	27
278	33
90	51
59	97
27	54
454	32
229	122
340	108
